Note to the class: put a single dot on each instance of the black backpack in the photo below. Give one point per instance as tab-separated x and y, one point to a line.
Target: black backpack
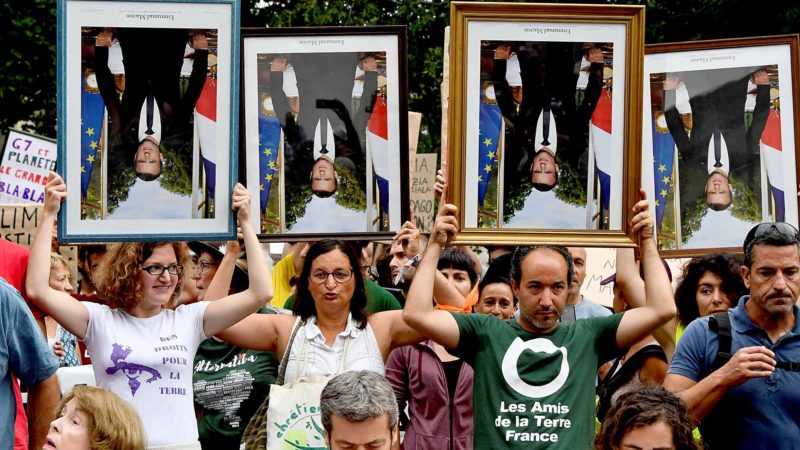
720	323
614	381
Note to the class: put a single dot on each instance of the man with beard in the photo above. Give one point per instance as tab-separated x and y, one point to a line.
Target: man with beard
534	378
741	380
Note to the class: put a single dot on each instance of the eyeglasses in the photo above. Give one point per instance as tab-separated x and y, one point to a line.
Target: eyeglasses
759	230
340	276
205	265
157	271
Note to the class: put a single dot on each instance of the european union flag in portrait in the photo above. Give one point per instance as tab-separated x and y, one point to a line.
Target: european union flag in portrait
269	138
663	155
489	127
92	107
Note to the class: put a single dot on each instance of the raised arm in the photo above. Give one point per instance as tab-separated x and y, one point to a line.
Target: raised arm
659	305
221	314
419	312
220	285
268	332
633	287
67	311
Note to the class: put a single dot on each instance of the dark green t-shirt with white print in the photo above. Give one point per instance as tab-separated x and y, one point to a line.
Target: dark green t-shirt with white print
534	391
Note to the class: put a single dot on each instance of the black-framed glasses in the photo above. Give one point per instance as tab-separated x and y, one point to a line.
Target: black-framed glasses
340	276
202	266
157	271
761	229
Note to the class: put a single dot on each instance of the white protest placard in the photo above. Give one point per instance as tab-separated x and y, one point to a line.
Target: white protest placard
23	170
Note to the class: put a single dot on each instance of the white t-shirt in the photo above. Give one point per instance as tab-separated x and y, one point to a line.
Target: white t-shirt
148	363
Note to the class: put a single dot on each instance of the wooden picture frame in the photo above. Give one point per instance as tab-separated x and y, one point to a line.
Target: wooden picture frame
148	145
549	187
325	131
716	115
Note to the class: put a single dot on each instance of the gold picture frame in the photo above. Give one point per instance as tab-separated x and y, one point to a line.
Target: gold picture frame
745	89
555	202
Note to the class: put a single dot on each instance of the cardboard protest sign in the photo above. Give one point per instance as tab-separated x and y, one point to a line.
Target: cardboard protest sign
18	224
422	201
27	159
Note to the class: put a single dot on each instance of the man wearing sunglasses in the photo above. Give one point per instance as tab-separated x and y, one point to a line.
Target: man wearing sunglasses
751	398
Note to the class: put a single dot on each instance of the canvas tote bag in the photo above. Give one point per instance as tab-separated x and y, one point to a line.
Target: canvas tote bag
294	414
255	433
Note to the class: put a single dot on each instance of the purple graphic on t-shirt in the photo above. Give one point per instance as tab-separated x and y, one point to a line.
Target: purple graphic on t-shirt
131	370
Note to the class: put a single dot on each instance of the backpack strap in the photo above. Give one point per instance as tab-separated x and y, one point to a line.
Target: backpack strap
720	323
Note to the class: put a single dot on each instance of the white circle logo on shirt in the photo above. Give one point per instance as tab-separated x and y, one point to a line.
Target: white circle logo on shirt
538	345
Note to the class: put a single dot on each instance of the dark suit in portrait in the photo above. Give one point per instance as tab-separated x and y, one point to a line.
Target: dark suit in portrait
549	73
325	85
717	99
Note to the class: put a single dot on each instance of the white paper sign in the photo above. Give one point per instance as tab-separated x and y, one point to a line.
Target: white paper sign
23	169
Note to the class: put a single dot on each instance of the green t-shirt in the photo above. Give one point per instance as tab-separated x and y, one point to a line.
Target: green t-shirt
229	384
534	391
378	299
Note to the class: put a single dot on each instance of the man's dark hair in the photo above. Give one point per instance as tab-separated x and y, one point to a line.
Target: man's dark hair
643	407
544	187
146	176
304	305
523	251
324	194
726	266
319	192
456	258
541	187
719	206
769	235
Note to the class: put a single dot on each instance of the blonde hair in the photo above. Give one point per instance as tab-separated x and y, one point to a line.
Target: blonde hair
113	423
119	277
56	259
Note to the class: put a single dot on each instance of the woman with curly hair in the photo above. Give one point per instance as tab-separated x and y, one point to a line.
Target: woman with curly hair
140	350
96	419
710	284
647	418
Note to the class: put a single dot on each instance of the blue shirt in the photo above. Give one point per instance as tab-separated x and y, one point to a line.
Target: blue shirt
586	309
23	352
760	413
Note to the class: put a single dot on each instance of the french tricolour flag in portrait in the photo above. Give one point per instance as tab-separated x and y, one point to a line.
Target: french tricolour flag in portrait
206	118
600	139
388	177
773	158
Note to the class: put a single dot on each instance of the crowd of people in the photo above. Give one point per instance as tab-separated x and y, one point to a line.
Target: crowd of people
416	344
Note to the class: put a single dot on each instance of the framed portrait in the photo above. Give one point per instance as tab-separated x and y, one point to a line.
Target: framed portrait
325	130
148	101
717	117
544	122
